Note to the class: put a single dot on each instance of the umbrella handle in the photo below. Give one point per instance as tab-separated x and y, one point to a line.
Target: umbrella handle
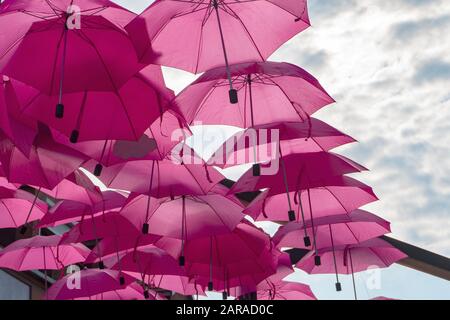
232	92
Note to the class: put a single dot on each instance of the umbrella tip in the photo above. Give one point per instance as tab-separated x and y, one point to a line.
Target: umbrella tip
291	214
256	170
307	241
224	295
317	261
181	261
145	228
338	287
210	286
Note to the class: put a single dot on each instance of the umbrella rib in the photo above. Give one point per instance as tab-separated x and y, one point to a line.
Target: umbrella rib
245	28
9	212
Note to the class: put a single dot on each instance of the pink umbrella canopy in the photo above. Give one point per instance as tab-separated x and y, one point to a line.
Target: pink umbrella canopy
353	228
340	196
259	86
122	113
88	282
20	129
155	144
66	211
214	33
18	207
298	171
132	292
47	165
149	260
350	259
41	252
161	178
184	217
262	143
242	257
76	45
285	291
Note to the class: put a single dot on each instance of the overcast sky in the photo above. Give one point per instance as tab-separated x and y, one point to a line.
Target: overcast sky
387	64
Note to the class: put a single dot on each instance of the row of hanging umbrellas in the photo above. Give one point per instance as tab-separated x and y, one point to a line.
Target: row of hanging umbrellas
82	95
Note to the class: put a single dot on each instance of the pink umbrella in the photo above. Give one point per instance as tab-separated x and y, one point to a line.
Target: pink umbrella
20	129
306	170
180	284
261	143
353	228
210	33
118	245
155	144
124	112
242	257
47	165
66	211
18	207
41	252
340	196
348	259
260	86
132	292
146	261
164	178
184	217
285	291
77	46
88	282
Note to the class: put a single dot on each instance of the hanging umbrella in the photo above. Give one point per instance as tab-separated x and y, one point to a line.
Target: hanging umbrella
132	292
260	144
77	45
214	33
353	228
340	196
124	112
261	86
155	144
242	257
47	165
349	259
18	207
41	252
91	282
184	217
20	129
66	211
149	260
285	291
163	178
306	170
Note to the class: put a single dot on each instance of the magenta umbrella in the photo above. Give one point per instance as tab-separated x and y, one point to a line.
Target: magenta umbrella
285	291
214	33
155	144
261	143
349	259
183	217
306	171
41	252
77	45
148	260
163	178
348	229
132	292
20	129
66	211
261	86
47	165
242	257
124	112
88	282
18	207
341	195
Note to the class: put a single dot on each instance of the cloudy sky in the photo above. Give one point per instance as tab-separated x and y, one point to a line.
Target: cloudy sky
387	64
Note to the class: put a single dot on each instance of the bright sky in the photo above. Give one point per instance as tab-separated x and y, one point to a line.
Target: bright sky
387	64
